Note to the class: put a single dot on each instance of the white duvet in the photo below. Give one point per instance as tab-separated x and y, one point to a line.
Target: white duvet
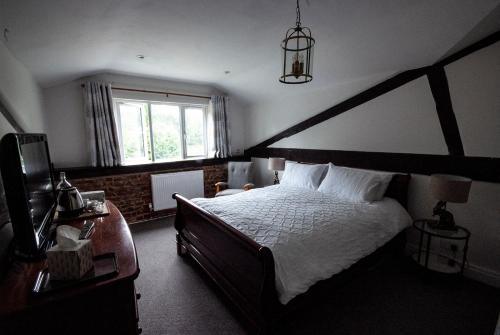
312	235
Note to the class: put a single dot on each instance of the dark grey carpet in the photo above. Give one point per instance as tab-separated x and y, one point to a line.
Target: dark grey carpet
394	298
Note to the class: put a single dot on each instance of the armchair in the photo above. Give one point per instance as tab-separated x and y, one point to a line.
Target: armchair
239	176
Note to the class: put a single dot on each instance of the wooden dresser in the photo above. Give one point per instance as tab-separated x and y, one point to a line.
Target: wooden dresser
104	307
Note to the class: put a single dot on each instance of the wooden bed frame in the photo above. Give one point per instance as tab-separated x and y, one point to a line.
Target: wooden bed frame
244	269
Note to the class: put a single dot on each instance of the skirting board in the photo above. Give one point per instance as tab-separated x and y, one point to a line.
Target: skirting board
483	275
472	271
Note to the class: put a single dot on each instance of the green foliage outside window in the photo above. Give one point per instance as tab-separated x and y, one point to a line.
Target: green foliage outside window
165	126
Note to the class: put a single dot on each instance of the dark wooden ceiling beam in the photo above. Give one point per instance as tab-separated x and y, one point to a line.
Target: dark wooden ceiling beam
483	43
438	83
440	91
359	99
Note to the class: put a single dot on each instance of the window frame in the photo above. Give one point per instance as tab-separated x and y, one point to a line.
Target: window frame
204	109
149	150
118	117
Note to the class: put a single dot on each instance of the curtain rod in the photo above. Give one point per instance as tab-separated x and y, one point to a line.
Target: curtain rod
158	92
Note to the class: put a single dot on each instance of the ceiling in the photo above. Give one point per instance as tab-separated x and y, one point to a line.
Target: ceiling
197	40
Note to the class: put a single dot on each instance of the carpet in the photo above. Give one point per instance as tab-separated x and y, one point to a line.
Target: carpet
393	298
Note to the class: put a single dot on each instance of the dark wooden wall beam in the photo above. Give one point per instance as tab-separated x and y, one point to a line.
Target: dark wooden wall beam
441	93
359	99
485	42
92	172
440	83
477	168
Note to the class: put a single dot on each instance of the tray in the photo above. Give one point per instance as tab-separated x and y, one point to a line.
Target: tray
84	215
105	266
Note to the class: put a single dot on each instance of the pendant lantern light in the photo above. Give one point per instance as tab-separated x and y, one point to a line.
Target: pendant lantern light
297	54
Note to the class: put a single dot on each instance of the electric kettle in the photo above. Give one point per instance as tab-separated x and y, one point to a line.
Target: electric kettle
69	200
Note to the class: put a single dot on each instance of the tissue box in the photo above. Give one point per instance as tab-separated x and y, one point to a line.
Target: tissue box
70	263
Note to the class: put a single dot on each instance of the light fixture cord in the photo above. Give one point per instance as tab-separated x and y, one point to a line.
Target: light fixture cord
298	14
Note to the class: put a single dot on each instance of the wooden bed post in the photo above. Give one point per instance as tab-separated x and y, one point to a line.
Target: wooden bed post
241	267
181	249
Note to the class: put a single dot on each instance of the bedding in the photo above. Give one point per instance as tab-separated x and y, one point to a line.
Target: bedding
312	235
303	175
355	184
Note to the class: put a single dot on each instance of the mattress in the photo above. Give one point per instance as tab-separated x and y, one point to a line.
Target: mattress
312	235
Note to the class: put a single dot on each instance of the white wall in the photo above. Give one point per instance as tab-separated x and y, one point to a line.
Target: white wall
475	91
5	126
268	116
66	119
20	94
405	120
66	125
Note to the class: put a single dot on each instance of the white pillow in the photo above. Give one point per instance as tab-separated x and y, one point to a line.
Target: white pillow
355	184
302	175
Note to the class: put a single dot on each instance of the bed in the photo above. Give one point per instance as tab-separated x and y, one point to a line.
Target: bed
258	273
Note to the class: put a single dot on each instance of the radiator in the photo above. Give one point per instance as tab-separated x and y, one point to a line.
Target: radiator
189	184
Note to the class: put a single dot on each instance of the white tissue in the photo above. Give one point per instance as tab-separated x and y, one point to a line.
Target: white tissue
67	237
70	258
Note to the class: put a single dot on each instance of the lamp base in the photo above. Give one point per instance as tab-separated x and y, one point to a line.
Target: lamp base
276	179
446	220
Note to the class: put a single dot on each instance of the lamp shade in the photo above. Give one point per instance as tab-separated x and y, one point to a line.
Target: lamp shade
450	188
276	164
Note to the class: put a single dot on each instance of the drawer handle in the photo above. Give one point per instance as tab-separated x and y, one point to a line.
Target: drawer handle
139	330
138	296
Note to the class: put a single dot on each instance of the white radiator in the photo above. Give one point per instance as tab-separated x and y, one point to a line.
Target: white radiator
188	184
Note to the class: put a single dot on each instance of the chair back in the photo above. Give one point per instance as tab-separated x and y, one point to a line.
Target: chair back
239	174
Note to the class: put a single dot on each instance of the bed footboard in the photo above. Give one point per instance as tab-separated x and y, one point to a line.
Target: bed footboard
241	267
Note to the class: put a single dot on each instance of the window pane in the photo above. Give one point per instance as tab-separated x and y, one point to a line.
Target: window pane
166	132
195	144
133	132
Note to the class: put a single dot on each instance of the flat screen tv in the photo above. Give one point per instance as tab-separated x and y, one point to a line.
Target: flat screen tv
29	191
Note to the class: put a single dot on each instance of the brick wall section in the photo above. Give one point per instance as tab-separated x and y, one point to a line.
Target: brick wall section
131	193
211	175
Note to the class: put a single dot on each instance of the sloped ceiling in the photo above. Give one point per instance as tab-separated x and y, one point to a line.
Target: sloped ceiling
197	40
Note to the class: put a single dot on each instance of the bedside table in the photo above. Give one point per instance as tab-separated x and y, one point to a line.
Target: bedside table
434	261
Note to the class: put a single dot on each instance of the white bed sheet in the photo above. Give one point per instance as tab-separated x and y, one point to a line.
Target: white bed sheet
312	235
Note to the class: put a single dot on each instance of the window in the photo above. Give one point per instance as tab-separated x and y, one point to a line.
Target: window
152	131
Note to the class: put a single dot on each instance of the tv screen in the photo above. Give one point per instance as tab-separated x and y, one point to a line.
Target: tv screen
29	190
36	168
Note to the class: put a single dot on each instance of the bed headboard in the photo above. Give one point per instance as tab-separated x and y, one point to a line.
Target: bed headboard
398	188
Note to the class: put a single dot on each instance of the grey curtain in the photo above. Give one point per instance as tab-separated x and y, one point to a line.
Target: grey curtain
101	125
221	140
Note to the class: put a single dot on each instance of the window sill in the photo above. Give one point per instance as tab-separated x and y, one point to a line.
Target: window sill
138	162
91	172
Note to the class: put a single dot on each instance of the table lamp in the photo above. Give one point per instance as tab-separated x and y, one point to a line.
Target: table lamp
448	188
276	164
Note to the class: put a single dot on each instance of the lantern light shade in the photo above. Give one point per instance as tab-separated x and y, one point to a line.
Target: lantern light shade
297	54
276	164
450	188
297	49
